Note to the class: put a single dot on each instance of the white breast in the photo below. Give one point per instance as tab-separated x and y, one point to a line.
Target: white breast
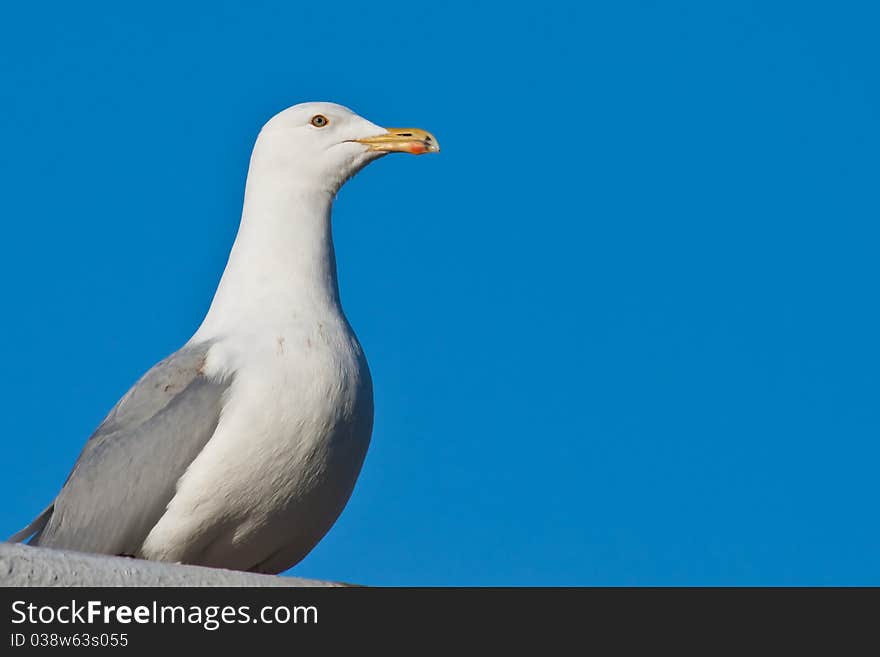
284	458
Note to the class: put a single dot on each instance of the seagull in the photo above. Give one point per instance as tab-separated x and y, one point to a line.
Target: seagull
241	449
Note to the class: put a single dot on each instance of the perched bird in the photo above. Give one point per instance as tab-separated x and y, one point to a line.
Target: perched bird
241	449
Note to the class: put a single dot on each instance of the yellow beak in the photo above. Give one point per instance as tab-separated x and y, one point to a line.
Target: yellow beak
403	140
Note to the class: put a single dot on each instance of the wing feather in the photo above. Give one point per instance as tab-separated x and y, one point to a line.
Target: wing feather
128	470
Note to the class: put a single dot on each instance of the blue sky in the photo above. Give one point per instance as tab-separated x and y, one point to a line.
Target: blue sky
622	330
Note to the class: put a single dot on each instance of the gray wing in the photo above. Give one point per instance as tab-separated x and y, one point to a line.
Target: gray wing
127	471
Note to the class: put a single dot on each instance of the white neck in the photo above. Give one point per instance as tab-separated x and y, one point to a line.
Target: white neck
282	267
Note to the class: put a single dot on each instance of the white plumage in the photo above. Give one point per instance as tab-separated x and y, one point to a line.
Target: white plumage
241	449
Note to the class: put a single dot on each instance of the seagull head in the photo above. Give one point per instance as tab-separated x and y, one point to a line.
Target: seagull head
324	144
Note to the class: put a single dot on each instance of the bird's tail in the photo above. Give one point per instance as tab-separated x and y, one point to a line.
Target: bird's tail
35	528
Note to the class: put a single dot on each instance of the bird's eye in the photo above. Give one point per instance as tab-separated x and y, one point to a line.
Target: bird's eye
319	120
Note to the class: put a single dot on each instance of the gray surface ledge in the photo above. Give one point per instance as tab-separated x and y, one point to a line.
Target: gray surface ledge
23	565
